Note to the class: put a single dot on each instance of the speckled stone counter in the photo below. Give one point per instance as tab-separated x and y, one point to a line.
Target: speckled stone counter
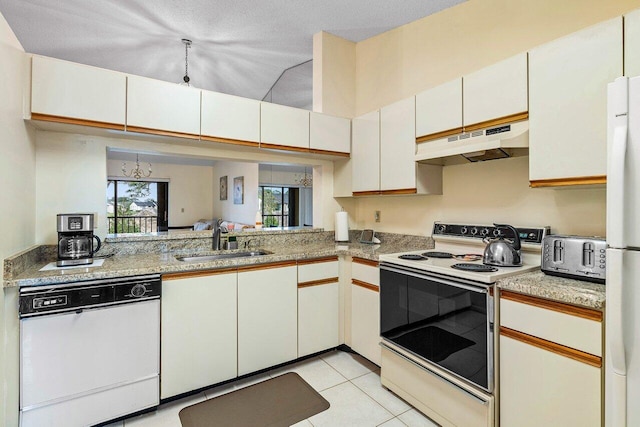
570	291
137	255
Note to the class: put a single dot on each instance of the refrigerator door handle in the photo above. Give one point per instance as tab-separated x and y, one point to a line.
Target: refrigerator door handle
616	188
614	312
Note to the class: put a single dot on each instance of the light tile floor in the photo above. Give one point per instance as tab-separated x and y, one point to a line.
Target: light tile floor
349	382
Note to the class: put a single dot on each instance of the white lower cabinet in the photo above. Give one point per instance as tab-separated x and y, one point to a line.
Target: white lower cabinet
267	316
365	309
318	305
199	338
549	374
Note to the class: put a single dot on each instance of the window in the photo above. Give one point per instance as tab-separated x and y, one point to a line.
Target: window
278	206
137	206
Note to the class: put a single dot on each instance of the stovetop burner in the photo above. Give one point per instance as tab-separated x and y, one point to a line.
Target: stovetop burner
413	257
438	254
478	268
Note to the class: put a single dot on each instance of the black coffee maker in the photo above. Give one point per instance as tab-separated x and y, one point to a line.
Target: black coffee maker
75	239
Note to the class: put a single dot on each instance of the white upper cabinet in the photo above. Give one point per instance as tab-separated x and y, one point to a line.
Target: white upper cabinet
568	81
154	106
398	145
632	44
284	127
365	153
67	90
329	133
439	111
495	92
228	118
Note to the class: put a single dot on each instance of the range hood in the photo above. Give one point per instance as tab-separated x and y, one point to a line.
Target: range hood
498	142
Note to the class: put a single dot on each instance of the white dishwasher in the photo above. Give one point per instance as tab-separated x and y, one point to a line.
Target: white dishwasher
89	351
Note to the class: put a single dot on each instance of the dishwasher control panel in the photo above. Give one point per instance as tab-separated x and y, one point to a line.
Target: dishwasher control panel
39	300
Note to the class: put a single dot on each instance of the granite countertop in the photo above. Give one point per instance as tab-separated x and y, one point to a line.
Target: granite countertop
159	263
570	291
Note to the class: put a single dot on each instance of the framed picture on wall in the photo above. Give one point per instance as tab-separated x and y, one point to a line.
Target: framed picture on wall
223	187
238	190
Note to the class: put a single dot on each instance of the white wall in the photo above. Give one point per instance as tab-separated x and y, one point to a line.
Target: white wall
17	199
191	189
227	209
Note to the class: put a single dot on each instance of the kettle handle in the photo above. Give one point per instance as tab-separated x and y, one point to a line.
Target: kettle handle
516	242
99	245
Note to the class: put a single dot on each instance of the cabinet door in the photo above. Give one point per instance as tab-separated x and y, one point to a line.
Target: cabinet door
542	388
496	92
329	133
199	332
317	318
398	145
365	153
632	44
365	322
158	107
284	127
267	317
568	105
228	118
67	90
439	111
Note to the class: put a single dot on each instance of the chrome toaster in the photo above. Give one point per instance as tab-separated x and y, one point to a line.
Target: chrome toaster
576	257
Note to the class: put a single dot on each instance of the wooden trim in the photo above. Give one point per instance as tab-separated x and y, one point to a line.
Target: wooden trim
560	307
329	152
317	260
496	122
369	262
283	147
563	182
80	122
365	285
318	282
438	135
366	193
230	141
267	266
162	132
569	352
399	191
197	273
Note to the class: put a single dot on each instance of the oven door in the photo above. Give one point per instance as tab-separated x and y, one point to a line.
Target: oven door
445	321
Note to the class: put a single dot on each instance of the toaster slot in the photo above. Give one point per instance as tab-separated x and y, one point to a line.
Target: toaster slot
589	255
558	251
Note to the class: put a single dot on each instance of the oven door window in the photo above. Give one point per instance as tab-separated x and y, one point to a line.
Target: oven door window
442	323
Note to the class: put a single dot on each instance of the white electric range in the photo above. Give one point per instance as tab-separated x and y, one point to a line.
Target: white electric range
437	321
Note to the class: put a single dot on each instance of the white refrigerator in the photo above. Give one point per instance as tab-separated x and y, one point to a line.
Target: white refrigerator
622	352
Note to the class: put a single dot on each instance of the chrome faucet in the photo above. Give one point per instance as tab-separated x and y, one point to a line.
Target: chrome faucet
216	235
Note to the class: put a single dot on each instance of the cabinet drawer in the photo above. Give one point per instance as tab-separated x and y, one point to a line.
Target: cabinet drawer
365	271
313	270
556	322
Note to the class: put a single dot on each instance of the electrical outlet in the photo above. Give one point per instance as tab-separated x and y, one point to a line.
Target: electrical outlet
376	216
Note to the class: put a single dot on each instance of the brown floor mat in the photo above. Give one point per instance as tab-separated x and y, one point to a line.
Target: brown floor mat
280	401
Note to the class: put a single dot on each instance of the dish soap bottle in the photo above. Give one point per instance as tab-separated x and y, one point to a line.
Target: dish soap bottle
258	221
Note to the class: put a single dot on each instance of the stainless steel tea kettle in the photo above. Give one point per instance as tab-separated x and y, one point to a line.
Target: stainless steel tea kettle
502	252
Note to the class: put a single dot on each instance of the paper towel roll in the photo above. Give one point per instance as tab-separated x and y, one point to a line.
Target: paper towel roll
342	226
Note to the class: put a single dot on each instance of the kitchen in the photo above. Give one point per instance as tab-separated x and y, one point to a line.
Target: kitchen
423	67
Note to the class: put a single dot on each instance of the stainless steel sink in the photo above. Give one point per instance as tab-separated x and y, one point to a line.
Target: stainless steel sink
214	257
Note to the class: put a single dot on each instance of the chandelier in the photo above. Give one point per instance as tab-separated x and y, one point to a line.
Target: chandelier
136	173
187	46
306	180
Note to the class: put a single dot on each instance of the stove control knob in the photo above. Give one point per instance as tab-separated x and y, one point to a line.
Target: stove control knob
442	228
474	231
138	290
496	232
464	230
484	232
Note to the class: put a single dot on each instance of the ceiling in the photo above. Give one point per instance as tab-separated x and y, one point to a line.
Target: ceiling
239	47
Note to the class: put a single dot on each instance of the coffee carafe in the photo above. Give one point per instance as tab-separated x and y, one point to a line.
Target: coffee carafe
76	239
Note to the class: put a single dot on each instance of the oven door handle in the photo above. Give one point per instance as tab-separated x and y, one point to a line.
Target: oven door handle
430	372
477	289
